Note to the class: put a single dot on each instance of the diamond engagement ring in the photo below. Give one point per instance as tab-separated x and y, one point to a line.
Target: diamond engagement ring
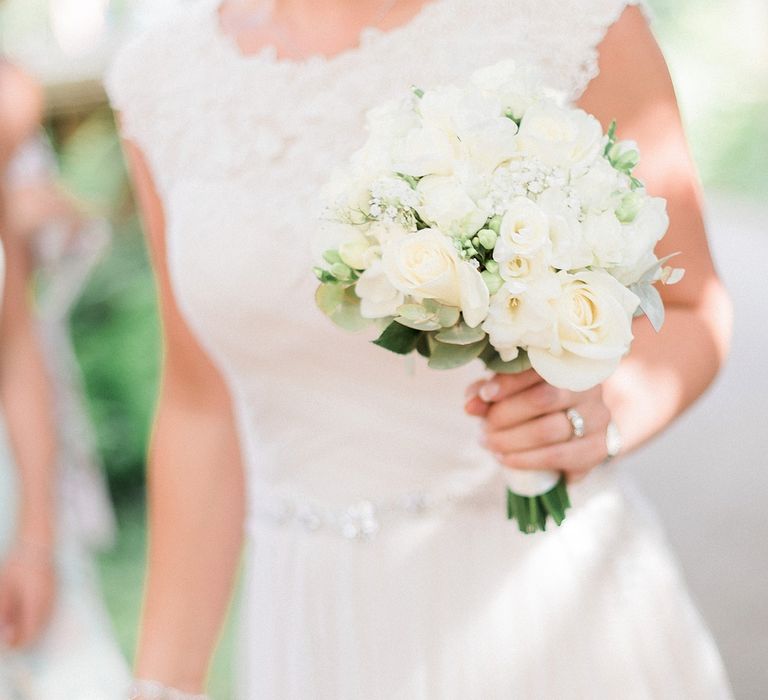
577	422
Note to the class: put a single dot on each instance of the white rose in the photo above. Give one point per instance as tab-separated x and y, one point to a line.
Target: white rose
597	187
560	136
426	265
606	237
593	331
446	204
378	298
520	318
524	231
425	150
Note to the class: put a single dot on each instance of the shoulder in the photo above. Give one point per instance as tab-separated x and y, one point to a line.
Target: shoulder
584	28
146	62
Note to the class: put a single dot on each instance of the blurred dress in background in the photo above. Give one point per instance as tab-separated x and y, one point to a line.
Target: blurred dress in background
77	658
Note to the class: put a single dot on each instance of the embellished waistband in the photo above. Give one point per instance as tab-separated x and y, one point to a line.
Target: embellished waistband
363	519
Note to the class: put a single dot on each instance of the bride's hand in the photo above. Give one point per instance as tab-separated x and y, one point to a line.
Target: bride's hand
526	426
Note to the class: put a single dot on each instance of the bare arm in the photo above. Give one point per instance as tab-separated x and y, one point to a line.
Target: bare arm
196	489
664	372
667	372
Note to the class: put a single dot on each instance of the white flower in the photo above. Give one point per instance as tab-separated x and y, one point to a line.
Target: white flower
648	227
426	265
425	150
520	272
597	187
378	298
606	238
559	136
521	318
569	249
592	331
358	251
446	204
524	231
438	107
517	87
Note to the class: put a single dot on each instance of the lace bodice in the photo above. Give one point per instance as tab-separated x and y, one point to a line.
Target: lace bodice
239	145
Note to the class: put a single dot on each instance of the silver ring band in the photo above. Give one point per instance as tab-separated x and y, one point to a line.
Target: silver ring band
578	427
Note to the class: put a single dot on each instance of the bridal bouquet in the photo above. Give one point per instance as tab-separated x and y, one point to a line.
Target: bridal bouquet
493	221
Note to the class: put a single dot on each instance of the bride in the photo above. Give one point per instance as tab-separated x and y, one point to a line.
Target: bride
369	495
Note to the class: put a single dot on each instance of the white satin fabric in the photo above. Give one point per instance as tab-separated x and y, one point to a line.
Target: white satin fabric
381	563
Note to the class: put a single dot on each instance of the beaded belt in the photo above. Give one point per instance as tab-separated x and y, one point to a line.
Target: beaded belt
362	520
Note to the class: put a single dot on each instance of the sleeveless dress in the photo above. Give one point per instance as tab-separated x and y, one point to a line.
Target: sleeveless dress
381	564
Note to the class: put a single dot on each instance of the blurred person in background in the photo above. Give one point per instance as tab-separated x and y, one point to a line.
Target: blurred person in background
55	638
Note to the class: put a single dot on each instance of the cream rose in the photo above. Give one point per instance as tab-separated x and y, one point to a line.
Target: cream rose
592	331
426	265
560	137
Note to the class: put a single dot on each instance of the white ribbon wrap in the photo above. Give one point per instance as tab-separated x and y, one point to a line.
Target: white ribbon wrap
530	482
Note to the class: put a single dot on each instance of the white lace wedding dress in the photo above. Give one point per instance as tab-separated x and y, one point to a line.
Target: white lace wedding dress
381	562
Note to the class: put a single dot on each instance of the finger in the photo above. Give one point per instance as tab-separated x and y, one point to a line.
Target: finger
547	430
501	386
537	400
580	454
476	407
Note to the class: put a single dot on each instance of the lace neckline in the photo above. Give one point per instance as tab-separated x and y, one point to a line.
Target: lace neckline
368	37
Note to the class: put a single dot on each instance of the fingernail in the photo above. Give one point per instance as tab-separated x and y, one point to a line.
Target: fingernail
489	391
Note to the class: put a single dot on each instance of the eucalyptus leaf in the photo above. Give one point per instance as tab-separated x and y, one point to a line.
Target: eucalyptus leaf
444	356
398	338
328	297
460	334
650	303
648	276
448	316
426	325
414	312
347	314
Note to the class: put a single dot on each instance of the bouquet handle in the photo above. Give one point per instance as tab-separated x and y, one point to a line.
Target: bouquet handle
533	496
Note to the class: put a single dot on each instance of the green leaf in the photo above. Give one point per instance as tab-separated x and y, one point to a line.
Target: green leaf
444	356
346	315
328	297
331	256
448	316
426	325
495	364
650	303
398	338
461	334
422	346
